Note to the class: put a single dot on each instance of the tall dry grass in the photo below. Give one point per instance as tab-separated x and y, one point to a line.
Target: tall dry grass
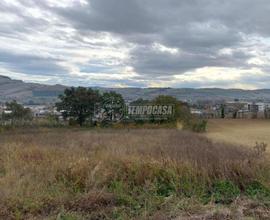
119	173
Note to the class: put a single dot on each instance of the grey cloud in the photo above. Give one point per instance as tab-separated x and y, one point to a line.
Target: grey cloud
140	16
30	64
156	63
197	28
118	16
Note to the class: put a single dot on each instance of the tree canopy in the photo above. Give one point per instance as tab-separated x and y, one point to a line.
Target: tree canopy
78	103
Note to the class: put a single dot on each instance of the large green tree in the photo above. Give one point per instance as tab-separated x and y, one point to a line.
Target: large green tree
78	103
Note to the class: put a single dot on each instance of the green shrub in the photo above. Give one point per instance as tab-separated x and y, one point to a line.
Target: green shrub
225	192
258	191
165	183
72	122
196	125
199	126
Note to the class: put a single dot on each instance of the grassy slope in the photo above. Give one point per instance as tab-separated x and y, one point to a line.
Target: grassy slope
128	174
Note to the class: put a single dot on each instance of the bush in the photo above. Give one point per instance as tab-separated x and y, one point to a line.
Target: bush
199	126
257	190
196	125
225	192
72	122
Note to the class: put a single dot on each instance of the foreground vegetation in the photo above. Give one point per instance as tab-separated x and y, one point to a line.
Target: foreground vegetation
129	174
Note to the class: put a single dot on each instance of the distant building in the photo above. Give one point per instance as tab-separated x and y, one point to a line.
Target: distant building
253	107
196	112
233	109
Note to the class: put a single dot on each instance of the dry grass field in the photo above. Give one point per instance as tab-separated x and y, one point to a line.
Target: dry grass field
74	174
245	132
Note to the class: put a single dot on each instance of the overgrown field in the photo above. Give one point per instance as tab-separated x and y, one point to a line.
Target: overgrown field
239	131
129	174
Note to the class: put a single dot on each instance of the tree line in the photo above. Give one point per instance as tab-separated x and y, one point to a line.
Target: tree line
80	105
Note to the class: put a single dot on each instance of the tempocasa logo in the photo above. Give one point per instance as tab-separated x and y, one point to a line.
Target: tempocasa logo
151	110
134	112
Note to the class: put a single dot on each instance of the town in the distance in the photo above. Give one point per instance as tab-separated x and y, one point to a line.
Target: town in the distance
204	103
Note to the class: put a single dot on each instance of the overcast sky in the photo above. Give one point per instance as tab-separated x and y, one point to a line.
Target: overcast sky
137	43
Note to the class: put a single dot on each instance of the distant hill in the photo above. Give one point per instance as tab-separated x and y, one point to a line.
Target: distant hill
193	95
28	92
40	94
